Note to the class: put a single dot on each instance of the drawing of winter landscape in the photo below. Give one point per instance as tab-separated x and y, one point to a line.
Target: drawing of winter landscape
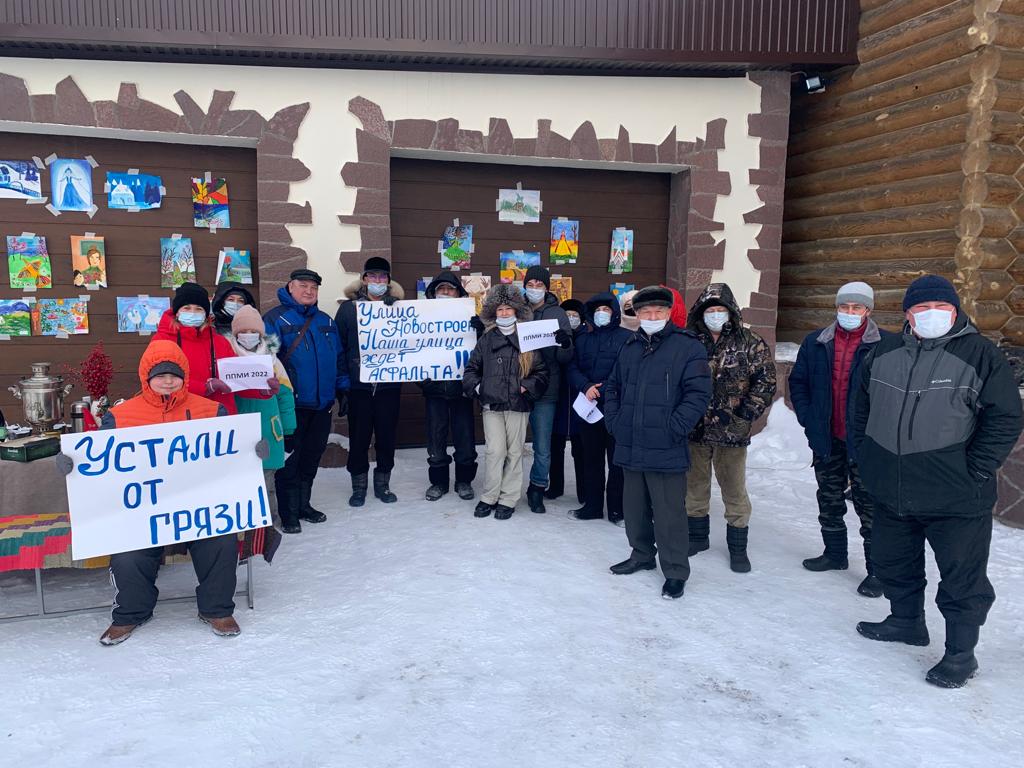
520	206
20	179
71	184
140	313
133	191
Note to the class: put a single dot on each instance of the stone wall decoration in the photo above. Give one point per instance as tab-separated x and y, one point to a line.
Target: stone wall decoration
519	206
20	179
565	241
133	191
620	258
71	184
210	203
89	261
28	262
177	265
456	246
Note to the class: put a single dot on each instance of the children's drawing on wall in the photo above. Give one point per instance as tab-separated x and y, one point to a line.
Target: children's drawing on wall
56	317
421	286
618	289
140	313
561	287
16	317
476	286
515	263
620	259
234	266
519	206
20	179
28	262
71	184
210	204
177	265
89	261
456	245
565	237
133	191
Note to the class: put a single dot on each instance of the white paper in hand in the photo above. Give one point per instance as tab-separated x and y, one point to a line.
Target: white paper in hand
536	334
587	410
250	372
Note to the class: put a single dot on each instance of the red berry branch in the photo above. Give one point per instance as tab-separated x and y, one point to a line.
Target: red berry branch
96	372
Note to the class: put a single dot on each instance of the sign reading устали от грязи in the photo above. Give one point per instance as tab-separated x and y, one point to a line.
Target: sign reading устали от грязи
140	487
414	340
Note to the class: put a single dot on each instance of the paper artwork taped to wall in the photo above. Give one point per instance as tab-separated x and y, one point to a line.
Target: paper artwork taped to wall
421	286
177	264
234	266
620	259
20	179
140	314
456	246
60	317
618	289
476	286
28	262
71	184
16	317
89	261
565	237
210	204
519	206
133	191
561	287
515	263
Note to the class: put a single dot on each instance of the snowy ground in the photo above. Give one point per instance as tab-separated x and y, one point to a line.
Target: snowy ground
416	635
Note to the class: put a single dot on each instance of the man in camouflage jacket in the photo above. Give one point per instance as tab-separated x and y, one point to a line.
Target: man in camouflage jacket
743	377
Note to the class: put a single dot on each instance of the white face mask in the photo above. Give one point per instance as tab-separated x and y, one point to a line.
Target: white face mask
574	322
933	323
231	307
602	318
715	321
848	321
377	289
505	322
191	319
248	340
535	295
652	327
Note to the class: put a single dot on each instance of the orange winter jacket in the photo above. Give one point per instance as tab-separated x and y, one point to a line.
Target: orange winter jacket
150	408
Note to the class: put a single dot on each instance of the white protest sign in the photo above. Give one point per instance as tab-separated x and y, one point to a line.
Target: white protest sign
140	487
414	340
536	334
587	409
248	372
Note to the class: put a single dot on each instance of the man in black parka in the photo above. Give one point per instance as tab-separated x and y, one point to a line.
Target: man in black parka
938	412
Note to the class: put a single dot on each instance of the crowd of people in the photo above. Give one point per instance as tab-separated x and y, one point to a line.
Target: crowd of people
912	426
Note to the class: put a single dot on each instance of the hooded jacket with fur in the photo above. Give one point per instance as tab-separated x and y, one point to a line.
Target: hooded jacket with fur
348	326
449	390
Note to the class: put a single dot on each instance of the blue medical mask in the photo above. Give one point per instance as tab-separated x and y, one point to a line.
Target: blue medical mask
191	319
715	321
848	321
505	322
535	295
574	322
602	318
231	307
248	340
377	289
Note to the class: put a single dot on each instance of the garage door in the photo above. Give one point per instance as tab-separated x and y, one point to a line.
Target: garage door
132	241
426	195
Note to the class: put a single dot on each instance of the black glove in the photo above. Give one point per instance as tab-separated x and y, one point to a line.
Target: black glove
722	416
477	325
563	338
342	402
389	299
289	443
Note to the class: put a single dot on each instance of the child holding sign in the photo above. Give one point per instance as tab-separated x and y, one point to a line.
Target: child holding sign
507	382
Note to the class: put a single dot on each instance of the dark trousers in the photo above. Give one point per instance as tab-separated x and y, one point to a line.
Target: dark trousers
312	428
654	504
961	547
450	416
133	575
598	446
834	474
372	416
556	476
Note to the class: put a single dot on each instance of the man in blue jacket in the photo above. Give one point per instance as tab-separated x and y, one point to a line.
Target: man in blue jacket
656	394
595	356
314	356
822	387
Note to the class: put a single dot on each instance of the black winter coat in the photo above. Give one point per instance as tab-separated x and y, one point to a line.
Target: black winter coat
221	319
348	327
935	419
494	368
555	358
597	352
567	422
448	390
656	394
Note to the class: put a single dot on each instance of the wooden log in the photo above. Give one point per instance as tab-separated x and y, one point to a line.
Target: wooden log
873	249
897	272
1013	330
1015	300
984	221
896	12
992	284
915	218
990	188
813	297
918	29
897	194
996	253
807	320
1008	31
990	315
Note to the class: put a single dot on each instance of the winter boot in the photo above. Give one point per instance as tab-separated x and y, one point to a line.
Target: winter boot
438	483
583	513
958	664
359	484
464	474
896	629
835	557
673	589
483	509
616	518
381	481
502	512
700	533
224	627
465	491
871	586
115	634
736	538
288	509
306	511
535	498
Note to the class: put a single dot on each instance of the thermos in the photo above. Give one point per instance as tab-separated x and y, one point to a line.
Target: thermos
78	410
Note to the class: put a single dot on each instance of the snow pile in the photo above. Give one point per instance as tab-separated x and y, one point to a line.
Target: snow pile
786	352
782	444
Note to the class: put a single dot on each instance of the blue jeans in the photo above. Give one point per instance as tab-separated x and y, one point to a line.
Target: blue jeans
542	420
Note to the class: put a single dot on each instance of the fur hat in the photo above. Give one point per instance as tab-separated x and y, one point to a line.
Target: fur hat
247	319
652	295
504	293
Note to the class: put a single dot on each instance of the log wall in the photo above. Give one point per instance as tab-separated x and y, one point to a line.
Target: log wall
912	162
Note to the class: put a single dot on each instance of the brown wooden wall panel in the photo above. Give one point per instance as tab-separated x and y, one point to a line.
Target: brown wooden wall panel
132	243
426	195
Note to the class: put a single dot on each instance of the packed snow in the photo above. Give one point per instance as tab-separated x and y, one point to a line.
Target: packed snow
416	635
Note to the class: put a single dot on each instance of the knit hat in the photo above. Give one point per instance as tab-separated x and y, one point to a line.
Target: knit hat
190	293
306	274
652	296
165	367
930	288
538	273
377	264
247	319
856	293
